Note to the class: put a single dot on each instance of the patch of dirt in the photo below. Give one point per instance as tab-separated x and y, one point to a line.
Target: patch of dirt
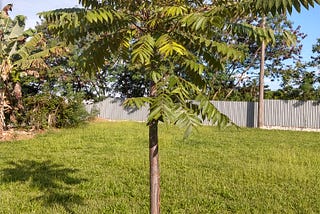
11	134
99	119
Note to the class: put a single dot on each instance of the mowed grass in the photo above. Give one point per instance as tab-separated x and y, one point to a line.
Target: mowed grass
103	168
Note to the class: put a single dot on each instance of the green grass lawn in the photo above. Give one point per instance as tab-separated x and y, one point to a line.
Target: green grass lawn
103	168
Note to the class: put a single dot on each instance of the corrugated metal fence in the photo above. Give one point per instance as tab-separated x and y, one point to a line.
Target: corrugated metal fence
278	113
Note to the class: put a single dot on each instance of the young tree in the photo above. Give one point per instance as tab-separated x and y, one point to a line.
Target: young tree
173	43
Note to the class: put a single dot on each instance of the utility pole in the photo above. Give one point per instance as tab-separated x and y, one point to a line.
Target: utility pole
261	80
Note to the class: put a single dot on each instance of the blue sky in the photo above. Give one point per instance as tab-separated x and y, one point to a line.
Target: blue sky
308	19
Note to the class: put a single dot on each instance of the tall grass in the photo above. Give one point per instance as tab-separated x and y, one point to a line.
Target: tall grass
103	168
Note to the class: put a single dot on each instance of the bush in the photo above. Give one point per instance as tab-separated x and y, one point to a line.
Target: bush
49	110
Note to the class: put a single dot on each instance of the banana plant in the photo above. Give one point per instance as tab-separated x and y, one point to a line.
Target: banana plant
22	52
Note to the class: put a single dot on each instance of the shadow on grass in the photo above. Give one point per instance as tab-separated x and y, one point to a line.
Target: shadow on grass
53	180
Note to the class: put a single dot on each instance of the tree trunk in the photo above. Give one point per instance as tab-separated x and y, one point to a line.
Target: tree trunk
261	81
154	162
154	168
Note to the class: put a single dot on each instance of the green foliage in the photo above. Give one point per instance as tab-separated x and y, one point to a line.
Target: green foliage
316	50
126	82
143	49
48	110
181	103
278	6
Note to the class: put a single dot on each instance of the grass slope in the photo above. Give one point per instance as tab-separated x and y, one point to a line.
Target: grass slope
103	168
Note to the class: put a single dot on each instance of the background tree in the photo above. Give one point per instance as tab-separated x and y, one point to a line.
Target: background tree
53	98
301	80
172	43
238	78
28	65
314	76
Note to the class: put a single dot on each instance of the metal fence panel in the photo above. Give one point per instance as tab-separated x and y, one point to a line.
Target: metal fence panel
113	109
277	113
